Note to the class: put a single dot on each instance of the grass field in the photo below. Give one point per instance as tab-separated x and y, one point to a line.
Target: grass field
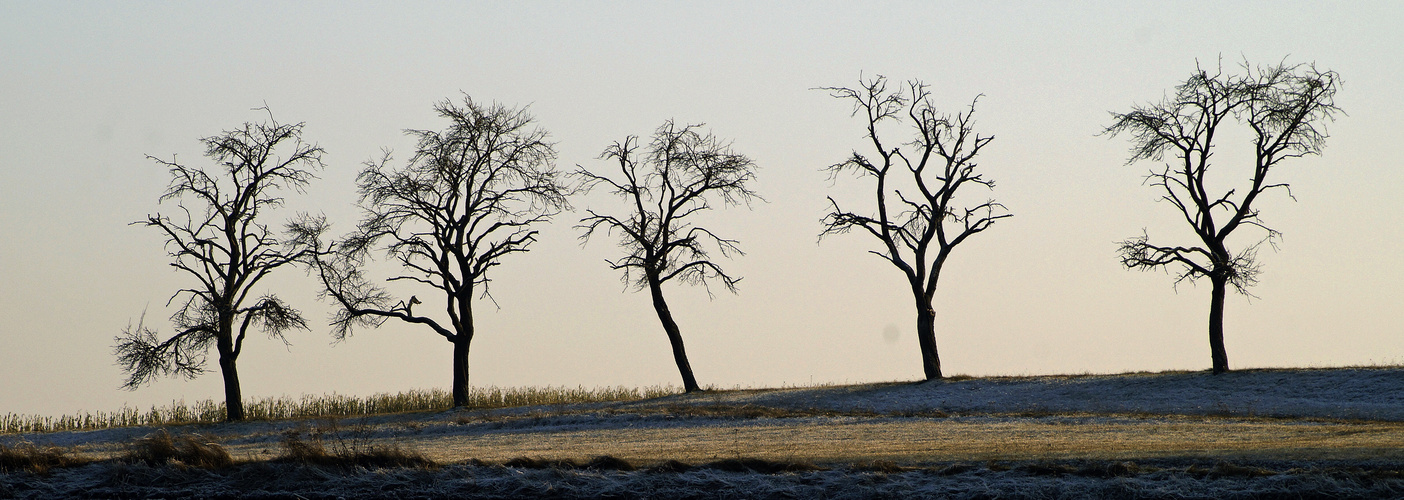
332	405
926	440
1255	433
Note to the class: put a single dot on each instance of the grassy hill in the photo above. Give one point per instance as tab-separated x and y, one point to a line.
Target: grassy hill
1331	432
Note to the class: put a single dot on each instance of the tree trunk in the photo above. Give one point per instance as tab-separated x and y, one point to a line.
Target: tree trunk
460	369
674	336
926	337
1216	325
233	399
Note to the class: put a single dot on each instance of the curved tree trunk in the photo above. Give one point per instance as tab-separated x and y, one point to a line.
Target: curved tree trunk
926	337
1216	325
233	399
674	336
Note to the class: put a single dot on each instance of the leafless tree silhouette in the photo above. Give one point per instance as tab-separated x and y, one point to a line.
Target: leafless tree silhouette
1284	106
219	239
677	175
469	197
920	227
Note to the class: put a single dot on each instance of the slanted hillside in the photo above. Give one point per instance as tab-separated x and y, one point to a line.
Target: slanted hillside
1327	432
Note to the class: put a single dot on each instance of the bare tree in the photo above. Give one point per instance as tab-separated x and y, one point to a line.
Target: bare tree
219	239
1285	108
679	174
920	227
469	197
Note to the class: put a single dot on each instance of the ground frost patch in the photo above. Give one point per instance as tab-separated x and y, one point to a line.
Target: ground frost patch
1012	481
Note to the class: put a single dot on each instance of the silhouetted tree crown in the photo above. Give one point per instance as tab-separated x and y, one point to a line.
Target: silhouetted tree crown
219	239
678	174
916	216
470	195
1284	107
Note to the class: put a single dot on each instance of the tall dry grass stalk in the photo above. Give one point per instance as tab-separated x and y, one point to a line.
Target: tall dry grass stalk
189	450
327	405
25	455
330	444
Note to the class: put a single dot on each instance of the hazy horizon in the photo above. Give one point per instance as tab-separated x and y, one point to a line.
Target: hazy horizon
88	90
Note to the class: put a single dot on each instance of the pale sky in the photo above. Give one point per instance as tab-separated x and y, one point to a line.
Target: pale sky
87	89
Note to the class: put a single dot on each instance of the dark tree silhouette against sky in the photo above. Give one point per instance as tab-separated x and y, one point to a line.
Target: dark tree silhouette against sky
919	219
1284	107
219	238
676	176
470	196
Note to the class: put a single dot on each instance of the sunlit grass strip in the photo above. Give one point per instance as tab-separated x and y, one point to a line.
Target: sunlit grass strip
328	405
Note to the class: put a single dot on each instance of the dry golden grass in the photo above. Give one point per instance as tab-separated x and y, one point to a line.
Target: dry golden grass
190	450
330	445
26	456
717	435
711	427
860	440
331	405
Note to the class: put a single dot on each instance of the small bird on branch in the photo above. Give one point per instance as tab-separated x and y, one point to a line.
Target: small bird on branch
406	307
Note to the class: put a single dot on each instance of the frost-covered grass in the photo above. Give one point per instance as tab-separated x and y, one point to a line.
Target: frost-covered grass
733	479
1249	434
26	456
848	439
1337	393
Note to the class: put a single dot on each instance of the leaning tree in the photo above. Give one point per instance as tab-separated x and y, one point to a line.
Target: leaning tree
918	220
219	239
469	196
678	175
1284	108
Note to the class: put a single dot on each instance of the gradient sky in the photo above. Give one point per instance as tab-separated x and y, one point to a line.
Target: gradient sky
87	89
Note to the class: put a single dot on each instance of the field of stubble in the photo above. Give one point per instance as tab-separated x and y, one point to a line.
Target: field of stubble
1252	434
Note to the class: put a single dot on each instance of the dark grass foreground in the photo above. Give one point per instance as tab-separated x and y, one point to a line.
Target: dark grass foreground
608	477
26	456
